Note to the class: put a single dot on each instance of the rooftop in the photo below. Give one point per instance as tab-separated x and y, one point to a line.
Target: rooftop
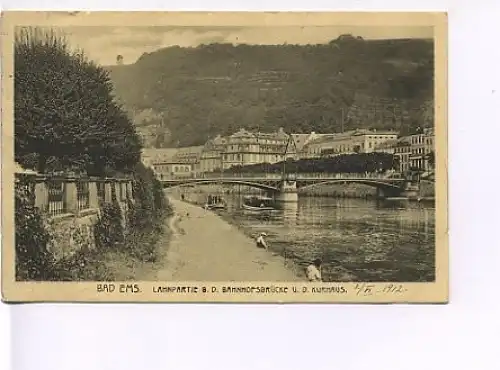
245	133
173	155
387	144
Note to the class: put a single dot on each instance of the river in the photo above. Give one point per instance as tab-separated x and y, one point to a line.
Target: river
358	240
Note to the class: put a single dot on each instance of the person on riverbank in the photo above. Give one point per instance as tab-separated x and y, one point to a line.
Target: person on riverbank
313	271
261	242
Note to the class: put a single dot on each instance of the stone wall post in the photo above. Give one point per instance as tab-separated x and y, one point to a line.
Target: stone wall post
41	196
93	196
108	195
130	196
117	185
70	196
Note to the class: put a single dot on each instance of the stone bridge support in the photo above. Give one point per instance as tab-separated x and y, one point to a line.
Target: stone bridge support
287	191
411	190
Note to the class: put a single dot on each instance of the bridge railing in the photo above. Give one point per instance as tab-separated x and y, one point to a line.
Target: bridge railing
302	176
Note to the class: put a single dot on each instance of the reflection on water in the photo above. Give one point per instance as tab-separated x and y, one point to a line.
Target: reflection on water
358	240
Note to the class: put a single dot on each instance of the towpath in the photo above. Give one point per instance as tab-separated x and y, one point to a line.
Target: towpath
206	248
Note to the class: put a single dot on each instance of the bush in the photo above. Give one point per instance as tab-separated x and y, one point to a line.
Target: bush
344	163
146	216
33	260
108	230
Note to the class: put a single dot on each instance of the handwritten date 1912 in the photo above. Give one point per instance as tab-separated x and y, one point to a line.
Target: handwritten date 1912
366	289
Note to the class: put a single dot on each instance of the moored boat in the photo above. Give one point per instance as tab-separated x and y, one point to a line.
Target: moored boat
215	202
258	203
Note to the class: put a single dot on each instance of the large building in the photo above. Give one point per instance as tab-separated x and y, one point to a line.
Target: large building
245	148
414	151
211	156
173	162
356	141
422	144
402	151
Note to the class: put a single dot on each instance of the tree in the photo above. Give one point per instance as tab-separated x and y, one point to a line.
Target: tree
64	108
301	88
431	159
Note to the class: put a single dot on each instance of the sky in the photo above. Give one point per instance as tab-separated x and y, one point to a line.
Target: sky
103	44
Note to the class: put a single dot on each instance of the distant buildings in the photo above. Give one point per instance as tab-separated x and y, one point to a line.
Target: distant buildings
244	148
211	156
402	151
357	141
422	144
414	152
173	162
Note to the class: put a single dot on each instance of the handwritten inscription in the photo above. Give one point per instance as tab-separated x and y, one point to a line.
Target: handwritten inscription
367	289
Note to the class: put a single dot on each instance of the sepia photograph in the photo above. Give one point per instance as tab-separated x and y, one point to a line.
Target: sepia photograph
225	157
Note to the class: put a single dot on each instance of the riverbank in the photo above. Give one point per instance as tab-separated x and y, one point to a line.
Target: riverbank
120	264
204	247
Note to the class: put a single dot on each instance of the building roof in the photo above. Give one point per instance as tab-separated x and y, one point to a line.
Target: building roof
403	140
173	155
373	132
190	150
300	140
324	138
387	144
243	133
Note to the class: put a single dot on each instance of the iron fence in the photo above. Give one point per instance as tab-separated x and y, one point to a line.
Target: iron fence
55	192
82	195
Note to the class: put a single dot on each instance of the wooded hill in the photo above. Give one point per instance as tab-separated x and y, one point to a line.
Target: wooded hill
183	96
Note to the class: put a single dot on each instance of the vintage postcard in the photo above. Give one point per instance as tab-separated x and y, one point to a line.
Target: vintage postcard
224	157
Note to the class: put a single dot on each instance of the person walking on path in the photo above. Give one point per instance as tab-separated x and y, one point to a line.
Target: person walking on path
313	271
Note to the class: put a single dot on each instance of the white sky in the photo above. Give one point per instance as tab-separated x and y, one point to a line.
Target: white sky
103	44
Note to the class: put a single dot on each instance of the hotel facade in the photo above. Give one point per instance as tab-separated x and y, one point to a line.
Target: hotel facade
357	141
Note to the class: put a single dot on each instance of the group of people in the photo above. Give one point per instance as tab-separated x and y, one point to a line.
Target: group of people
313	271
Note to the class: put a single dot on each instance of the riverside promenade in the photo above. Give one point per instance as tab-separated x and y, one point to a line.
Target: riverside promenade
206	248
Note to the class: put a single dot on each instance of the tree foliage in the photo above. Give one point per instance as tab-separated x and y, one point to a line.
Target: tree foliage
431	158
345	163
146	215
33	260
64	110
218	88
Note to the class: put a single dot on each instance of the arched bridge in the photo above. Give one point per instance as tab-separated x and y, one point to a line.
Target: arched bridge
273	182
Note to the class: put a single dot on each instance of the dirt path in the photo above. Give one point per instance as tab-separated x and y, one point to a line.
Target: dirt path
206	248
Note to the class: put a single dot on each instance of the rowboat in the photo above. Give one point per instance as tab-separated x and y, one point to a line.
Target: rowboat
259	209
258	203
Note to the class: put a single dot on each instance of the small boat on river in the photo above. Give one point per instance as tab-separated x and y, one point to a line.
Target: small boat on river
215	202
258	203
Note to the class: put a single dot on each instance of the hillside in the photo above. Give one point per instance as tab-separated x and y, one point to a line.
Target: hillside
183	96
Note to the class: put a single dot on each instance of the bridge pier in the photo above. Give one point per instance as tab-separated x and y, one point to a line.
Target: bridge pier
380	193
288	191
411	190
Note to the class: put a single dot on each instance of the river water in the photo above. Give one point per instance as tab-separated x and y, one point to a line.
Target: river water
358	240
